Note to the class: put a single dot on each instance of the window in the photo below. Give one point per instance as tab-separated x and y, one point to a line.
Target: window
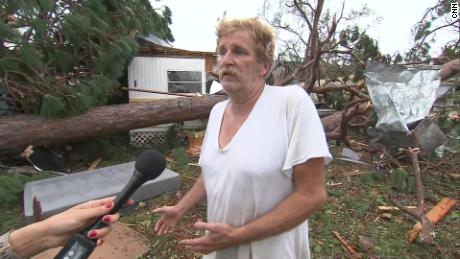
184	81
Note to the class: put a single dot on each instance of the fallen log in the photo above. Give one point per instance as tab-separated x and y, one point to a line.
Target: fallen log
450	69
19	131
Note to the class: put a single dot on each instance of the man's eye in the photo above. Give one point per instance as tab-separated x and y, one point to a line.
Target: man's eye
240	51
221	52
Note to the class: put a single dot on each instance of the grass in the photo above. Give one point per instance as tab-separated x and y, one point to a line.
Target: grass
11	188
351	210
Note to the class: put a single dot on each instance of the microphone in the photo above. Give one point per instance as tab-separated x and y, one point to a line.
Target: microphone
149	165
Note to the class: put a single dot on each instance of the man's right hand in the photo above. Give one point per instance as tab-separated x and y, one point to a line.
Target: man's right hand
168	221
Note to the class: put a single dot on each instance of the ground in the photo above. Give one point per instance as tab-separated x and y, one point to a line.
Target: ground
354	191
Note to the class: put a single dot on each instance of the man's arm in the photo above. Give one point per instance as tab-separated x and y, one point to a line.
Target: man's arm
309	195
193	196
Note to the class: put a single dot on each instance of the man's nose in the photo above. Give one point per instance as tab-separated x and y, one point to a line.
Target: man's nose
226	59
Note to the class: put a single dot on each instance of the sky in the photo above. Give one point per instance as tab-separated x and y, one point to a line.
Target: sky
194	22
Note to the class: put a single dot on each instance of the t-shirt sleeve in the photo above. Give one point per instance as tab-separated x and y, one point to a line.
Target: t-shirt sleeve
306	137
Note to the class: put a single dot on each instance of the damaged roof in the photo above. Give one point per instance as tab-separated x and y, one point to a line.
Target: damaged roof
154	45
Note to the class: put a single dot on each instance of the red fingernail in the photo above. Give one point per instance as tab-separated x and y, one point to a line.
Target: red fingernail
106	219
109	205
92	233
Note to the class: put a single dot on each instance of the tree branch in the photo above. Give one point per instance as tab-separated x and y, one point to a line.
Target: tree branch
289	29
349	88
432	31
304	15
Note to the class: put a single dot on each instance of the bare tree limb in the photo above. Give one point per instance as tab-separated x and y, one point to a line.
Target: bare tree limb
429	10
433	31
413	153
336	124
419	211
304	15
289	29
350	88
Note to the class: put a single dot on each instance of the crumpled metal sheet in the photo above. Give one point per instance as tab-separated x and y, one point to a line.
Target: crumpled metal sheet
400	95
426	135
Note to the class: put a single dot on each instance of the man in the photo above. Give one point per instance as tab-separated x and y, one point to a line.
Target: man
262	158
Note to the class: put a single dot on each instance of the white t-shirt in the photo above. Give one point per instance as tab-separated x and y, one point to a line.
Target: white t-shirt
253	173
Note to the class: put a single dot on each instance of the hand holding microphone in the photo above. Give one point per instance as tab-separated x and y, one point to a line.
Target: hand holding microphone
149	165
58	229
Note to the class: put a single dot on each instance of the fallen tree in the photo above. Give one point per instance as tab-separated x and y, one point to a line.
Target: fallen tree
450	69
18	131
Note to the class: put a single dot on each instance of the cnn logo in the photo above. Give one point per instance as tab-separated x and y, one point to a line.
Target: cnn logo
454	10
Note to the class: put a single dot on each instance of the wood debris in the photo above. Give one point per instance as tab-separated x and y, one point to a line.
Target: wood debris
345	243
94	164
392	208
434	216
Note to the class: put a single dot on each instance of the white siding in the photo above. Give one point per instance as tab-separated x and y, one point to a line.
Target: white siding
152	73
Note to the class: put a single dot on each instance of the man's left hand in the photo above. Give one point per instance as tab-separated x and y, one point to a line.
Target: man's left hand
220	236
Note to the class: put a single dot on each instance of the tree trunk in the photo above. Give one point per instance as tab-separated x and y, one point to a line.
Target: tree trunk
450	69
18	131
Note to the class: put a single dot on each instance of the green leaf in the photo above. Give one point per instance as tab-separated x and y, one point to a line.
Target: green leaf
5	30
8	64
46	5
32	56
63	60
52	107
40	26
86	49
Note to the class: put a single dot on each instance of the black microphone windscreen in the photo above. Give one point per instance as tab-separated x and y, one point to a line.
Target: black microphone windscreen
150	164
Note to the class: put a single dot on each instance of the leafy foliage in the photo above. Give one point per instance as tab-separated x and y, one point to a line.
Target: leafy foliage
180	156
364	49
59	58
173	139
435	19
336	100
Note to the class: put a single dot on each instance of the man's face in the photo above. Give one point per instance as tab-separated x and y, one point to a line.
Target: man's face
239	67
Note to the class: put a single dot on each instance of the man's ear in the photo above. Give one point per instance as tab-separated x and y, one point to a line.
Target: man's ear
265	69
